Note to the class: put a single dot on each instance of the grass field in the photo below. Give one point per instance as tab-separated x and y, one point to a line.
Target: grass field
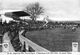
57	39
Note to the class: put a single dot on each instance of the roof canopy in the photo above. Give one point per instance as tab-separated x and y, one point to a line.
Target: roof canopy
20	13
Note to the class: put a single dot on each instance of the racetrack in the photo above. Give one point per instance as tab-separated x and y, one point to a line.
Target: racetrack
57	39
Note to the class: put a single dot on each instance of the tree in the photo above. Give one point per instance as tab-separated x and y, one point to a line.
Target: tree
34	10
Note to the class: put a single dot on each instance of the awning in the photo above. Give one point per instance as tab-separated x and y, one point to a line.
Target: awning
16	13
20	13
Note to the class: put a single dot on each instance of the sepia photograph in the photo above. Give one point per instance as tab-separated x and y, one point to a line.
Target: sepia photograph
39	25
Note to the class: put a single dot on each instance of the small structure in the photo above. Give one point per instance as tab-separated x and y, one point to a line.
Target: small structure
6	47
74	46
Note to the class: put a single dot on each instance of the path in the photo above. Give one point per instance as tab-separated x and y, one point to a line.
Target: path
7	40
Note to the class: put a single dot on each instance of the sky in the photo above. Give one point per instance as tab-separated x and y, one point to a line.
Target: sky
59	10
